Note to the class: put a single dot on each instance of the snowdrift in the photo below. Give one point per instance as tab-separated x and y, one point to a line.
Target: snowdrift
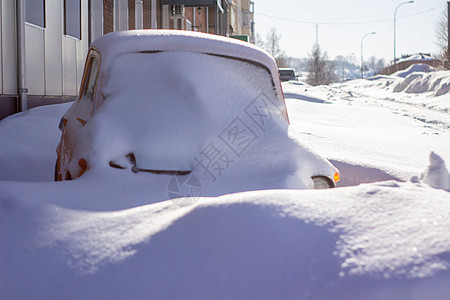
417	79
414	68
421	78
380	241
28	144
436	175
370	132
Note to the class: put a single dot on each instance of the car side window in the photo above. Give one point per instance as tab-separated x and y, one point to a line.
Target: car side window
90	83
86	100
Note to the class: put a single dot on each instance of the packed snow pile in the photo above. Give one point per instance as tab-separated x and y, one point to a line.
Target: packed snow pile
28	144
370	132
414	68
387	240
423	81
418	81
436	174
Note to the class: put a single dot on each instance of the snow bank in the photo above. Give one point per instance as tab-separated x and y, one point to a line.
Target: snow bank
370	132
421	78
380	241
417	79
436	174
414	68
29	140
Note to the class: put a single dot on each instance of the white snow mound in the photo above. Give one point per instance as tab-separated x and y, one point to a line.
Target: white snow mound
375	241
421	78
436	175
414	68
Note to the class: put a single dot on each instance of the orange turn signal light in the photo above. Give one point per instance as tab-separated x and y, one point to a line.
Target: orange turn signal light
336	177
83	164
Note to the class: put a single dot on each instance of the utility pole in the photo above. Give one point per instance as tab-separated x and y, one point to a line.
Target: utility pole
317	34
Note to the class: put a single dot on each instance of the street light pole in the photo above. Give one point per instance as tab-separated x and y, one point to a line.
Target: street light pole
362	59
395	31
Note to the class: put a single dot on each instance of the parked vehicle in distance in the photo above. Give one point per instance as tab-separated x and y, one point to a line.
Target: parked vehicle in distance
171	102
287	74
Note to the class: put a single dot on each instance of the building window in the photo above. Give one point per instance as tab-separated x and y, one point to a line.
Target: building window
72	18
246	18
35	12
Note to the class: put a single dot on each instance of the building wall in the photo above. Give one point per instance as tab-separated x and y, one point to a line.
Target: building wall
35	59
1	55
147	7
54	61
53	66
200	20
108	16
120	15
96	21
240	18
131	14
235	17
9	50
139	15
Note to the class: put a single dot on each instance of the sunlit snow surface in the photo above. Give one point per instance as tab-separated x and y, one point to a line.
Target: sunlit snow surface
364	123
371	241
114	235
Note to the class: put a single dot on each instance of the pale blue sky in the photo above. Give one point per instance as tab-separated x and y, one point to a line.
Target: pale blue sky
416	25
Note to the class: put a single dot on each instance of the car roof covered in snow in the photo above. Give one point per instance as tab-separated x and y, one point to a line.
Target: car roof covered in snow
120	42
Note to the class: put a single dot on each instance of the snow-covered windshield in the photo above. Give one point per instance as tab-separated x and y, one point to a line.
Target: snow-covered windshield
204	75
174	102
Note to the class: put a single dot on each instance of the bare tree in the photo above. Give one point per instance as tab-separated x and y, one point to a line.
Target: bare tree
442	35
283	61
376	65
381	64
320	71
259	41
272	45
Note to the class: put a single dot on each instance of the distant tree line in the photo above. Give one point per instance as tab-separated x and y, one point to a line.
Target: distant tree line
321	70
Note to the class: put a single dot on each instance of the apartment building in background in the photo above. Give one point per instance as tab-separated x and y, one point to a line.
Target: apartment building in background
241	19
44	42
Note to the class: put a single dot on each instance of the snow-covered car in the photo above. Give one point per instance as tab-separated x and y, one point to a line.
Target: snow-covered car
177	103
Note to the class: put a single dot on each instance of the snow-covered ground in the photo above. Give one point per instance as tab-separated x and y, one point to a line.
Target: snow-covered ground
384	127
116	236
